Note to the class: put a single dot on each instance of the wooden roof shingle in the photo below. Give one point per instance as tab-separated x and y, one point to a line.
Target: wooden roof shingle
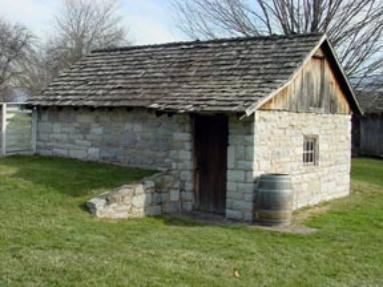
228	75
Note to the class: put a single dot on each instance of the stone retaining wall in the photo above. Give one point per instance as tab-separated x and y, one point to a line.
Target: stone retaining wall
279	148
150	197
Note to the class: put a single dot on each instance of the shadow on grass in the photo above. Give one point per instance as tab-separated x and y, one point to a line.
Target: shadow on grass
368	169
196	219
174	220
84	207
68	176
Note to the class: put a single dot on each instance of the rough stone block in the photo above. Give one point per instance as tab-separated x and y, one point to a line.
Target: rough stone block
244	165
139	189
231	157
249	153
96	131
249	197
138	201
233	214
56	127
154	210
44	127
148	183
250	177
95	204
187	206
242	205
156	198
246	187
60	152
174	195
234	195
236	175
80	154
239	152
187	196
45	152
165	197
186	175
43	136
84	118
188	165
232	186
185	155
137	127
82	143
248	217
182	136
93	153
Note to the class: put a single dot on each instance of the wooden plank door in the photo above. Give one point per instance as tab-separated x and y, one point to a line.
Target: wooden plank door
210	147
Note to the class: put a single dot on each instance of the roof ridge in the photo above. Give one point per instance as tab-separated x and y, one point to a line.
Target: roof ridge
211	41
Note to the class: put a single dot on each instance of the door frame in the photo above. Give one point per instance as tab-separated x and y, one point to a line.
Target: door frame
196	182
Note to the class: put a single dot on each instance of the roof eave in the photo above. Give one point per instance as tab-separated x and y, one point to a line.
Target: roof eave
357	108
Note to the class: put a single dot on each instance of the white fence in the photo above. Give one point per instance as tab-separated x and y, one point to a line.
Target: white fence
18	129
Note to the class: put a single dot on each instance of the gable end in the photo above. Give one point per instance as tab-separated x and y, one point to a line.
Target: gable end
319	86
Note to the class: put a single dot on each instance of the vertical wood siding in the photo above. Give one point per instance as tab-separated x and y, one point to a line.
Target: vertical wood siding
315	89
371	135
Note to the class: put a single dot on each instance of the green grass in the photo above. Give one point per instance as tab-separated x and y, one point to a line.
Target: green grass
47	238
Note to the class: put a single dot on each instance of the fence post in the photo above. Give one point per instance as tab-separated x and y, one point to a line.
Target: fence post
34	129
3	129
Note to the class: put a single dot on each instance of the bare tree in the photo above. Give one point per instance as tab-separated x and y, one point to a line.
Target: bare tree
37	72
15	44
82	26
355	27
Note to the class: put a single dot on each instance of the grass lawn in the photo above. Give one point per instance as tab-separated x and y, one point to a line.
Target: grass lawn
47	238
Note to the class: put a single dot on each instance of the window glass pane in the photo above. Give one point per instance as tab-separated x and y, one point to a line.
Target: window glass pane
309	150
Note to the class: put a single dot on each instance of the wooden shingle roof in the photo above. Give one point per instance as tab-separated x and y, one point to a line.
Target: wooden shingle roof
228	75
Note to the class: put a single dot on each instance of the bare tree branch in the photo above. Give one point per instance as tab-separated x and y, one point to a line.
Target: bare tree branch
355	27
82	26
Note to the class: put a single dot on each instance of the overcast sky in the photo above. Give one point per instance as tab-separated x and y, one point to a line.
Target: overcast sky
148	21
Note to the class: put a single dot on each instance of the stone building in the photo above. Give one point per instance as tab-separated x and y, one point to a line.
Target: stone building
213	114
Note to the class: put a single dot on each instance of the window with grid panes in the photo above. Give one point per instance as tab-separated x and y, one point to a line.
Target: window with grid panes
310	150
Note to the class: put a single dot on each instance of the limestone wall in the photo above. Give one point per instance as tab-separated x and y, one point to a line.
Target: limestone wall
271	141
136	138
279	146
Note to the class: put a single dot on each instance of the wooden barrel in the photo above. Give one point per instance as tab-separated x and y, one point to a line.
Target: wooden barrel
274	200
